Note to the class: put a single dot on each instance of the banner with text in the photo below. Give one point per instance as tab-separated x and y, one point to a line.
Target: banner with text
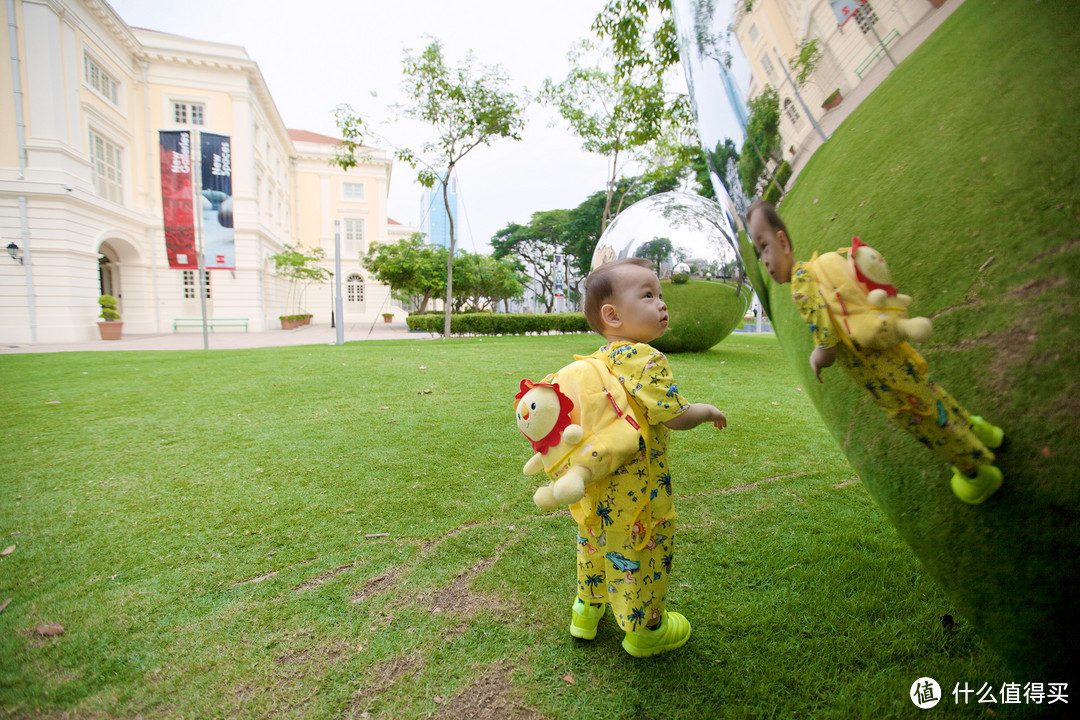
176	199
845	9
217	203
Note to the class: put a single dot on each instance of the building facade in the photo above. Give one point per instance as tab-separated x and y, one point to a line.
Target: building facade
85	97
851	35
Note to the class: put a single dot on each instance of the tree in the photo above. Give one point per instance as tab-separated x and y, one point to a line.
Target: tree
535	246
300	269
484	281
411	268
763	131
656	251
624	116
807	57
467	106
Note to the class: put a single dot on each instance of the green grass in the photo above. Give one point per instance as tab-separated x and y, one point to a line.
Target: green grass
196	521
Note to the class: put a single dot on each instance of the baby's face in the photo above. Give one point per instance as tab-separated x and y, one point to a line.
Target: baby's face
773	247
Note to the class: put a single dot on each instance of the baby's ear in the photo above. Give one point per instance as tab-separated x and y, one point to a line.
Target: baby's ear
610	315
783	236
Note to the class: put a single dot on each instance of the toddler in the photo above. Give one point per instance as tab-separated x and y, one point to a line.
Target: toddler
626	523
895	377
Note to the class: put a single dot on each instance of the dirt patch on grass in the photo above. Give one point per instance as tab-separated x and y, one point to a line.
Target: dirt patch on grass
459	598
380	680
261	578
491	697
1064	247
1035	288
317	581
378	585
429	546
1012	347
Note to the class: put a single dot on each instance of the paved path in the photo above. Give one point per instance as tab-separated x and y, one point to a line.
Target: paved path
192	339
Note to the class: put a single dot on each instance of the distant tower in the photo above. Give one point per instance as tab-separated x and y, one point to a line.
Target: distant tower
433	219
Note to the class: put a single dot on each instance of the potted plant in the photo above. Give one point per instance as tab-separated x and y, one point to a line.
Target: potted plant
833	100
387	317
111	326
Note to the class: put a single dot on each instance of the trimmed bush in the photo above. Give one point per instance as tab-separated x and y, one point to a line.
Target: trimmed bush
771	194
501	323
783	174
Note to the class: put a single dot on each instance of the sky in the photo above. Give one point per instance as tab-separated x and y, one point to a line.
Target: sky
317	54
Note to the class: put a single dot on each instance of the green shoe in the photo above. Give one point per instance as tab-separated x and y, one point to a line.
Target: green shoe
673	633
989	435
977	489
584	619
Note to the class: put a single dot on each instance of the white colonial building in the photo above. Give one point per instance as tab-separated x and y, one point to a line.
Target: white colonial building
84	97
853	36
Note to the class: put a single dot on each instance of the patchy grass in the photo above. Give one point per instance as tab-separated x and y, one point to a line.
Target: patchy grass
198	521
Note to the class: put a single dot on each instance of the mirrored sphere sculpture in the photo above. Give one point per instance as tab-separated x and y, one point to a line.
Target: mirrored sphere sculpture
692	246
1002	295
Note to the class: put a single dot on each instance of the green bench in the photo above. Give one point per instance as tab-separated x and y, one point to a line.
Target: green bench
210	323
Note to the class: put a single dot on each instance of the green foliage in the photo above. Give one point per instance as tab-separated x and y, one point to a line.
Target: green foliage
486	323
807	56
772	193
655	251
763	138
300	268
783	174
108	308
622	115
483	281
410	267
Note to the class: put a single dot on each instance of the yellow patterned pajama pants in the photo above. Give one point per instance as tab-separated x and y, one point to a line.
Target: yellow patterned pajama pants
900	386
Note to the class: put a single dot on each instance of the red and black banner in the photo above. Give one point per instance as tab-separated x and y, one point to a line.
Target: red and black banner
176	199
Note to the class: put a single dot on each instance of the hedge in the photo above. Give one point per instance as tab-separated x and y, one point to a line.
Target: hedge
501	323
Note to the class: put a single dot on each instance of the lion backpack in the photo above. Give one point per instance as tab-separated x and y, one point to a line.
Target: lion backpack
582	426
864	305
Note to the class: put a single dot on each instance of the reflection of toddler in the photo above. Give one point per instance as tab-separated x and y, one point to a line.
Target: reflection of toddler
626	523
895	377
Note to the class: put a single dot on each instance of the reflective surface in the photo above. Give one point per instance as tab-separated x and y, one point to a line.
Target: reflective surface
690	234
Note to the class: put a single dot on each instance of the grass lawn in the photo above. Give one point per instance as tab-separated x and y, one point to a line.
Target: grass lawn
197	522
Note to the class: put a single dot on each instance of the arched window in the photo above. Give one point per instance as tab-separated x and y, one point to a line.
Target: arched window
792	111
354	291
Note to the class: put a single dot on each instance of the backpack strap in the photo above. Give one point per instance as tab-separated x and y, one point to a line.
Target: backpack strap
637	414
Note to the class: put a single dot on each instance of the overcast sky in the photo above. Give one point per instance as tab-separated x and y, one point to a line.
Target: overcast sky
319	53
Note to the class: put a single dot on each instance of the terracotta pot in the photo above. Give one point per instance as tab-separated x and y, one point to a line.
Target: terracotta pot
110	329
387	318
832	101
937	3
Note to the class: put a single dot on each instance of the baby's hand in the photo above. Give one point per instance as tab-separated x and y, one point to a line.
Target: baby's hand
820	359
717	418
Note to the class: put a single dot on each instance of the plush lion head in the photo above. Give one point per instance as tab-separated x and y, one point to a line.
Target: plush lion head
543	412
870	268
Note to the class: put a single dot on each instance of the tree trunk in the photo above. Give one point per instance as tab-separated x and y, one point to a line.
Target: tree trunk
450	255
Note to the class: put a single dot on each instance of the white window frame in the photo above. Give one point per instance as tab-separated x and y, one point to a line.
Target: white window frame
791	111
109	187
191	285
767	64
354	289
100	80
188	105
355	192
351	241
